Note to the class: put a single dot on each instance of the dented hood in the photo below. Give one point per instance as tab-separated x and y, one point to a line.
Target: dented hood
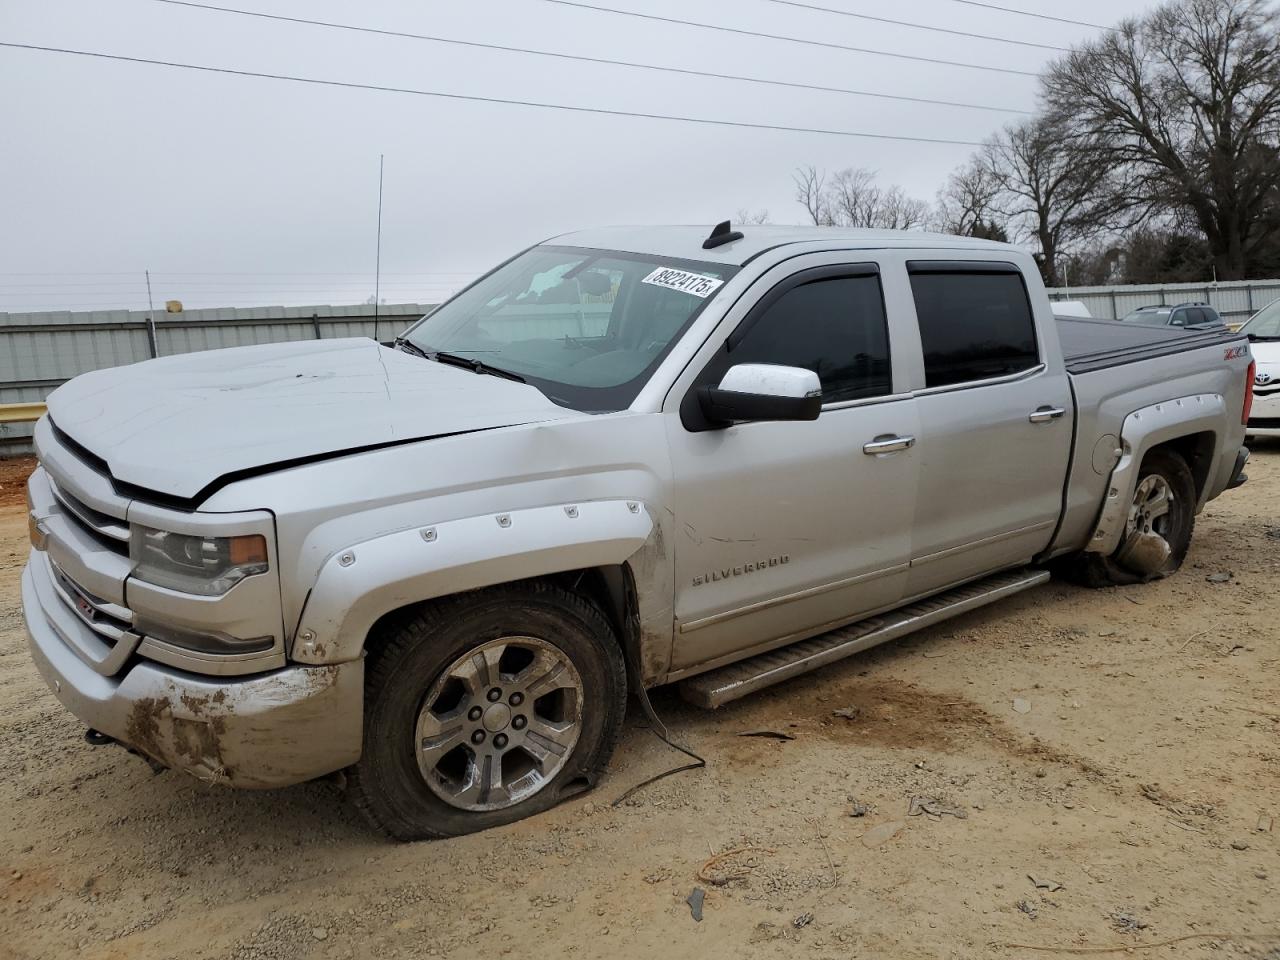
178	424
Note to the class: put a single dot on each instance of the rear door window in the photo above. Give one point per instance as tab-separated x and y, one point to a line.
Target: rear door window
975	321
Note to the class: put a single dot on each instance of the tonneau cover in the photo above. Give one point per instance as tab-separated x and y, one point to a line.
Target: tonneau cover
1096	344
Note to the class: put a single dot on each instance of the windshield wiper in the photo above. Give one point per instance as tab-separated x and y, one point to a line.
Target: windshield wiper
408	346
455	360
478	366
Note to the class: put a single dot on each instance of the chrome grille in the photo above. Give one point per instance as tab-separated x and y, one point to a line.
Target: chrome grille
108	620
111	531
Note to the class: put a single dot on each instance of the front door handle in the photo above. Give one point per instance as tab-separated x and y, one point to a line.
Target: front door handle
888	443
1046	414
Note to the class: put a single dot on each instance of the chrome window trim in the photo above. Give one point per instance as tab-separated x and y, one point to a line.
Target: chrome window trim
989	382
866	401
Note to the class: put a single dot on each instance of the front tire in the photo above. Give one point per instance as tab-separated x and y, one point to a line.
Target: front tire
486	708
1164	505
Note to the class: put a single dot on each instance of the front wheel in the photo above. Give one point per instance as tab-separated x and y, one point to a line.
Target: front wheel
486	708
1158	529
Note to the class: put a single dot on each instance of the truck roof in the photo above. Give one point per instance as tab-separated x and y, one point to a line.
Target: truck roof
686	241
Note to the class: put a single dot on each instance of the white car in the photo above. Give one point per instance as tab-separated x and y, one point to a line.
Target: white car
1264	333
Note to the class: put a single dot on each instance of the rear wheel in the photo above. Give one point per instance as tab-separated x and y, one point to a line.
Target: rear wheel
1157	532
487	708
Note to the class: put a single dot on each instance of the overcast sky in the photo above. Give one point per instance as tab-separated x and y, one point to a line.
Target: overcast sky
244	191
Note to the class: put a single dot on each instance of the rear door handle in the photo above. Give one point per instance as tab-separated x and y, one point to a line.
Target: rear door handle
888	444
1046	414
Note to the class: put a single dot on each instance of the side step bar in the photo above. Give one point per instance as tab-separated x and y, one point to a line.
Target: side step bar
718	687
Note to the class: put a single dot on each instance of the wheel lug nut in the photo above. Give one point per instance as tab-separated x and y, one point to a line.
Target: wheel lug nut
518	723
475	713
517	699
495	695
500	741
478	737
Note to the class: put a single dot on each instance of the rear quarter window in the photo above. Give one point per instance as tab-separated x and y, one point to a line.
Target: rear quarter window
974	325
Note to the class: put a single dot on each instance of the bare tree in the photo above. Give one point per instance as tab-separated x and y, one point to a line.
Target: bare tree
811	193
745	216
852	198
1188	100
968	203
1052	190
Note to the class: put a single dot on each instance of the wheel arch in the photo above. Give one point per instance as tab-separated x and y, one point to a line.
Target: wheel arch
616	559
1190	426
1197	450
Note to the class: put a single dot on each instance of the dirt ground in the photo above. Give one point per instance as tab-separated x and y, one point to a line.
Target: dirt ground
1121	747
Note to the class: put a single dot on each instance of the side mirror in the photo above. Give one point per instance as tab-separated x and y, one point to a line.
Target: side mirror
763	391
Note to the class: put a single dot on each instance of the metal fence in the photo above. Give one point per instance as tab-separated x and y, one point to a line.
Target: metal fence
39	351
1236	300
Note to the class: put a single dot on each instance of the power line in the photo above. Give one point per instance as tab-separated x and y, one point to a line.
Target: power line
221	273
543	105
244	284
913	26
1037	16
786	38
629	64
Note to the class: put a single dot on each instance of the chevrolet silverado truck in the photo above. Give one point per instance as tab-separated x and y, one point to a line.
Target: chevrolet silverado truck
625	457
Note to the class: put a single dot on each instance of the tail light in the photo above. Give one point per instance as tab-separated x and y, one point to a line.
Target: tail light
1248	393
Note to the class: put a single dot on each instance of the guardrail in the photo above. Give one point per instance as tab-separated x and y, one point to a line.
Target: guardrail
21	412
41	351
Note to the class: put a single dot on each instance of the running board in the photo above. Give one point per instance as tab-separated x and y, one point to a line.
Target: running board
718	687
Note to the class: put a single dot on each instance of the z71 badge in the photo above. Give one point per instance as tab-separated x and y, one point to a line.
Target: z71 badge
1235	353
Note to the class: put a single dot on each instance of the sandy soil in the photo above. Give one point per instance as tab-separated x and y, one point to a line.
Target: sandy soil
1136	781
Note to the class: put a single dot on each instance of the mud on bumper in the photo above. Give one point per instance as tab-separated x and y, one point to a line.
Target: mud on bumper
266	730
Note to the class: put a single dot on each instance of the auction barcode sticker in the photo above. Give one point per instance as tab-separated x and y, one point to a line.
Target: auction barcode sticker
695	283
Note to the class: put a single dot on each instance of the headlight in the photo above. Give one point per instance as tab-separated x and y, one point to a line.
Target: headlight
209	566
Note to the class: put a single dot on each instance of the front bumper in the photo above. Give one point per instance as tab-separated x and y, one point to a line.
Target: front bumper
267	730
1264	417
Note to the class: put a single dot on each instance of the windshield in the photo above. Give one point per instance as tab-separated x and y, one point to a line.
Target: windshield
1149	315
1266	325
586	327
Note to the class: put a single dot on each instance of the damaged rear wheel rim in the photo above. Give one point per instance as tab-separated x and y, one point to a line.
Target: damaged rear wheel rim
499	723
1147	547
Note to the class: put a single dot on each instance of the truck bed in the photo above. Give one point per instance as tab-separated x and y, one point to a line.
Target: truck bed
1097	344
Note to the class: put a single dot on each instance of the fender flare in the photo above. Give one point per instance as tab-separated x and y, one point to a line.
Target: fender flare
363	582
1142	430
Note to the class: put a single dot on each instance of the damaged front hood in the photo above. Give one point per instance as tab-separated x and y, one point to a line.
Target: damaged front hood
178	424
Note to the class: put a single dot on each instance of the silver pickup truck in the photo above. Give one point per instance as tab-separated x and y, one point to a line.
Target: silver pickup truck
623	457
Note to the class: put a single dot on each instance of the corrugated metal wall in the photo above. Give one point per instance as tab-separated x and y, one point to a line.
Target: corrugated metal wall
1236	301
39	351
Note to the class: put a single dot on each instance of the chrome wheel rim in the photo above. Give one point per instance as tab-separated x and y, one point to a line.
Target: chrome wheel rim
1152	502
499	723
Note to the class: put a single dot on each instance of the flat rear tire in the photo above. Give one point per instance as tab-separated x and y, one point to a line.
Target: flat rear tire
1163	506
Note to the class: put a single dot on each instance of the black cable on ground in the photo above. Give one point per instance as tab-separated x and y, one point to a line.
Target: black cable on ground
659	730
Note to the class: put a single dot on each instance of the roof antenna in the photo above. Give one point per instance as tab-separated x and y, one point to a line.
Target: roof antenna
722	234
